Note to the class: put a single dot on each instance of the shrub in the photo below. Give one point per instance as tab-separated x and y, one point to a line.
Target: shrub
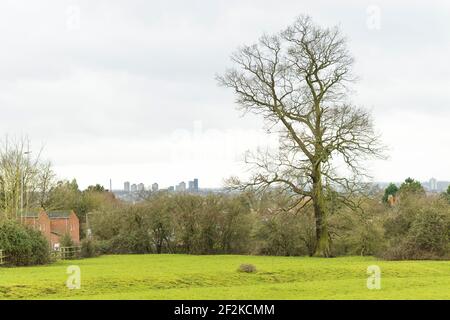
133	242
430	233
89	248
40	253
247	268
66	241
358	232
430	230
285	234
103	246
417	233
23	246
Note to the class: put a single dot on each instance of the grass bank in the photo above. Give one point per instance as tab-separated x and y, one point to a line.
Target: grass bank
216	277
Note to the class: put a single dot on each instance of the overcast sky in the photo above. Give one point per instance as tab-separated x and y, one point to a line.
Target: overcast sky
126	90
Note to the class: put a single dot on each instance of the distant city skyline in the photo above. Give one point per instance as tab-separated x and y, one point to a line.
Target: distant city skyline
134	192
192	186
171	180
432	184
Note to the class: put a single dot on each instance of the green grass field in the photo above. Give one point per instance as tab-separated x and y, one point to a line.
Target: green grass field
216	277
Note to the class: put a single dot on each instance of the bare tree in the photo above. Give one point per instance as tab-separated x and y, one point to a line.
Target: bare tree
25	180
297	80
45	183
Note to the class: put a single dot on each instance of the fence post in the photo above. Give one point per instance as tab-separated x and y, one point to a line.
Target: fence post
70	252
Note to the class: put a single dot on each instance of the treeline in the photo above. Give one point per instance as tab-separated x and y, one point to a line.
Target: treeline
416	227
176	223
402	223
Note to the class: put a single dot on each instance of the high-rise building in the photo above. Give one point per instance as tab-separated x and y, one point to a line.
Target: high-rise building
133	187
443	185
155	187
193	185
171	189
181	187
126	186
196	185
433	184
141	187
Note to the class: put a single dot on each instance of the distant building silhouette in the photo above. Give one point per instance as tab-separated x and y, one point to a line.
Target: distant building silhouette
155	187
181	187
433	184
126	187
196	185
193	185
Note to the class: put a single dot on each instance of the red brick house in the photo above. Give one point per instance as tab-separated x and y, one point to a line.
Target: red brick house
54	225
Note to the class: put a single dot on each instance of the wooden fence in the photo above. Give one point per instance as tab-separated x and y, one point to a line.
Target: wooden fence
64	253
2	257
70	252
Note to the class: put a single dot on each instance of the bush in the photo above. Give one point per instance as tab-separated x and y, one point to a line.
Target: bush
66	241
89	248
430	232
23	246
103	246
285	235
39	247
419	233
358	232
133	242
247	268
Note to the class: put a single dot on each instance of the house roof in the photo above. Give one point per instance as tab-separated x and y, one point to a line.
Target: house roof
59	214
52	214
30	214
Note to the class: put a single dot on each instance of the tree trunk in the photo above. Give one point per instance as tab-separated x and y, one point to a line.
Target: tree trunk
322	236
